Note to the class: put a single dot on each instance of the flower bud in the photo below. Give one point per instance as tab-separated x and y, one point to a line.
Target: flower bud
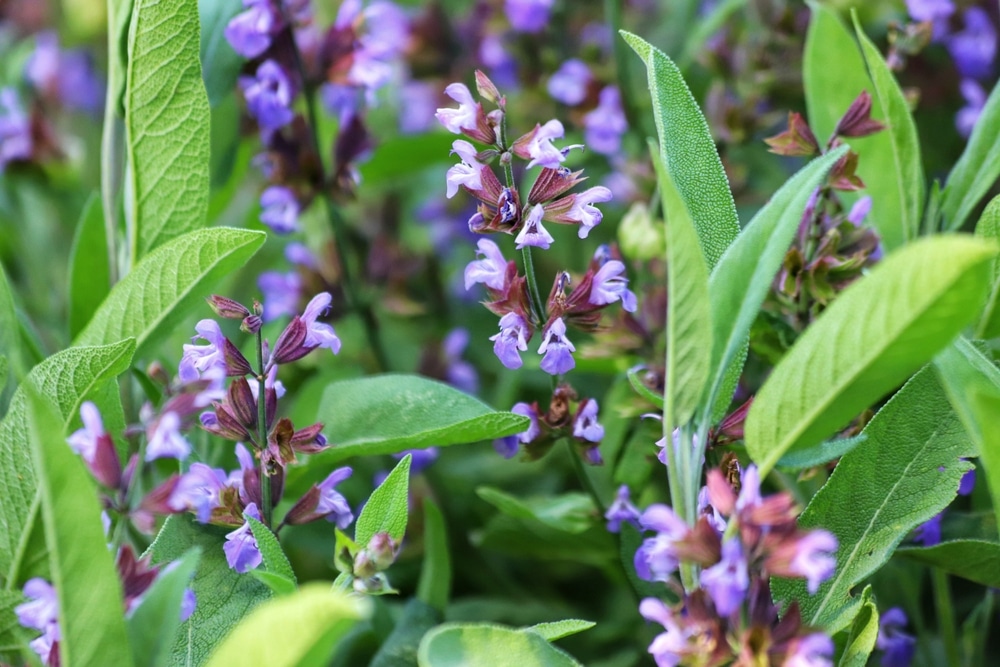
227	308
486	89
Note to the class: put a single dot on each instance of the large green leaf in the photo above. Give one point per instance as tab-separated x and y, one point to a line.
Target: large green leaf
220	64
878	331
224	597
688	152
989	227
479	644
167	124
153	625
863	633
975	560
907	175
89	274
298	630
91	605
66	378
977	169
151	300
434	587
907	471
388	508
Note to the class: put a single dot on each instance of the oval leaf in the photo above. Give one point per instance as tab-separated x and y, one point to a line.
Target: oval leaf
388	508
274	556
89	274
481	645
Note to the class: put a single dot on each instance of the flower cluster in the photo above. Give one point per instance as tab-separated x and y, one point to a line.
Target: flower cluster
560	420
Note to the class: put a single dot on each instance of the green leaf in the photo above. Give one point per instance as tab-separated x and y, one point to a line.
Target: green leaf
279	584
166	122
89	274
640	387
988	227
400	647
67	378
298	630
219	63
91	607
820	454
568	512
159	293
559	629
388	508
13	636
913	303
386	414
434	587
863	633
152	627
687	150
10	342
985	408
907	471
743	277
405	156
907	175
479	644
978	167
975	560
274	556
224	597
119	20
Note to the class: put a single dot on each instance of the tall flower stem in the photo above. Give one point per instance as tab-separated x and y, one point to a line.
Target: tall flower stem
265	471
585	481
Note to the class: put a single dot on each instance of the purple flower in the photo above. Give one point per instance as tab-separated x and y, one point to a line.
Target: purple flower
815	650
929	532
490	270
605	125
813	559
657	558
84	441
669	647
269	95
319	334
250	31
533	233
420	459
586	426
247	465
15	130
466	173
331	503
166	440
511	341
68	76
525	410
898	647
540	147
458	372
41	612
583	210
496	55
464	117
610	285
727	581
621	511
557	349
974	48
506	446
198	489
975	100
860	211
749	489
241	549
968	483
528	15
279	209
416	106
199	358
930	10
706	509
281	294
299	253
189	602
569	83
387	33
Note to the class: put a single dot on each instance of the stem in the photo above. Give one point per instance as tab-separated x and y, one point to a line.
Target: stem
946	615
585	481
537	305
265	473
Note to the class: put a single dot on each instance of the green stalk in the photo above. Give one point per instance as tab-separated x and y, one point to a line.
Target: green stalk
265	472
946	615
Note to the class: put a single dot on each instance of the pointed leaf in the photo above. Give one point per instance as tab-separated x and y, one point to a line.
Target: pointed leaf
977	169
569	512
434	587
823	453
152	626
559	629
478	645
220	64
89	273
274	556
988	227
878	331
863	633
975	560
279	584
985	406
388	508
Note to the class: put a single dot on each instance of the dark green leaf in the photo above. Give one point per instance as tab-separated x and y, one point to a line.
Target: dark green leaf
388	508
434	587
989	227
479	644
977	169
569	512
219	63
89	273
274	556
400	647
975	560
152	627
863	633
559	629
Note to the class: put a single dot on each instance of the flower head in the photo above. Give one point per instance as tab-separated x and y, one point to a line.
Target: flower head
319	334
569	83
198	489
511	341
621	511
466	173
670	647
610	285
525	410
528	15
557	349
250	31
281	293
539	148
533	233
975	47
269	95
199	358
898	647
85	440
657	558
465	117
728	580
166	440
585	425
332	504
583	210
605	125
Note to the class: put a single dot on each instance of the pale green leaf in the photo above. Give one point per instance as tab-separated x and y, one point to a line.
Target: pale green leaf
434	587
985	408
220	64
978	167
274	556
388	508
975	560
568	512
913	303
279	584
559	629
485	645
989	227
152	626
89	278
862	635
400	647
822	453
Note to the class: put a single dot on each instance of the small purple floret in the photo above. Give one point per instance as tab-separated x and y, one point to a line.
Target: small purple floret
610	285
269	95
727	581
533	233
279	209
605	125
242	552
557	349
319	334
621	511
569	83
166	440
511	341
84	441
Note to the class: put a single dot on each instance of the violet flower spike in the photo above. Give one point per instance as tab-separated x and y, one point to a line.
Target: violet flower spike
242	552
540	147
557	349
533	233
465	116
468	172
319	334
84	441
586	426
511	341
621	511
166	440
727	581
610	285
583	208
656	559
279	209
199	358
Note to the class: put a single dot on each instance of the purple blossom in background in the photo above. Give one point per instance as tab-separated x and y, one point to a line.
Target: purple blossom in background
974	48
496	56
728	580
41	613
69	76
605	125
15	130
968	483
250	31
749	489
506	447
166	440
528	15
669	647
714	517
198	489
975	100
458	372
84	441
319	334
242	552
585	426
815	650
420	458
464	117
621	511
490	270
584	211
610	285
269	95
386	35
199	358
533	233
569	83
859	211
279	209
540	147
656	559
340	100
331	503
511	341
281	293
897	646
189	602
557	349
467	172
417	103
930	10
299	253
533	431
929	532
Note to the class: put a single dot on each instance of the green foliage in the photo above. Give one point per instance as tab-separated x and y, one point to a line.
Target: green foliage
481	644
167	284
298	630
913	303
274	556
559	629
400	647
388	508
91	607
823	453
89	273
167	124
862	635
9	339
152	626
568	512
434	587
989	227
972	559
220	65
977	169
278	583
907	471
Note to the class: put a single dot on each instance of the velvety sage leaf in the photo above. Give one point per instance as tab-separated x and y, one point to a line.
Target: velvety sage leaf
989	227
434	587
688	152
91	607
744	275
298	630
569	512
13	637
89	274
279	584
66	378
159	293
820	454
862	635
224	597
559	629
975	560
908	174
166	122
913	303
907	471
388	508
274	556
386	414
220	65
834	74
479	644
400	647
978	167
152	626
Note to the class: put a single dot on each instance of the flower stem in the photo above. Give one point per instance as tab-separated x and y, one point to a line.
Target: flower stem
585	481
536	298
946	615
265	472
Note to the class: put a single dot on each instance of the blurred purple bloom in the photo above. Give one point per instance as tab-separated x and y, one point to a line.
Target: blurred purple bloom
490	270
585	425
189	602
319	334
533	233
511	341
533	431
671	646
975	100
15	130
467	172
749	496
557	349
727	581
331	502
974	48
813	559
69	76
621	511
929	532
496	55
860	211
386	34
506	446
898	647
166	440
605	125
569	83
464	117
198	489
656	559
279	209
420	458
815	650
281	293
298	253
340	100
250	31
241	549
706	509
247	464
41	612
269	95
584	211
930	10
199	358
610	285
528	15
84	441
968	483
417	103
458	372
540	147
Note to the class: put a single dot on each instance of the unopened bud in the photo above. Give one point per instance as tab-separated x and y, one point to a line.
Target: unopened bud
487	90
227	308
251	324
641	237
